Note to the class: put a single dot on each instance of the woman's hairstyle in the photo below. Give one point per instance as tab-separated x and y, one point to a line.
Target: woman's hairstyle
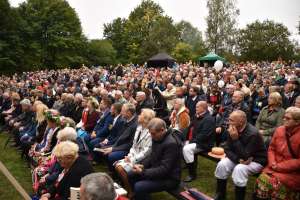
148	115
67	134
40	110
15	96
295	113
66	148
277	98
94	102
52	116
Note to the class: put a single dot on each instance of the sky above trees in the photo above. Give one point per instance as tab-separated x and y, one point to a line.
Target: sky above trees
94	13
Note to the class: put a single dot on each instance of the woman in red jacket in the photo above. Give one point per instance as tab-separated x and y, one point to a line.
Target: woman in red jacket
281	178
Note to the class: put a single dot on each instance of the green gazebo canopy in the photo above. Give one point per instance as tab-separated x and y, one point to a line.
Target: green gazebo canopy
212	57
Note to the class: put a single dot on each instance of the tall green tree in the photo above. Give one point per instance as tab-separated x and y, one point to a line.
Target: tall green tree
115	32
192	36
10	50
101	52
182	52
221	25
52	34
147	31
265	40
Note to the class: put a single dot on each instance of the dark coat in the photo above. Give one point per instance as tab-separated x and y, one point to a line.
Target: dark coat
191	105
125	140
102	126
77	113
148	103
115	131
249	144
5	105
164	161
204	132
79	169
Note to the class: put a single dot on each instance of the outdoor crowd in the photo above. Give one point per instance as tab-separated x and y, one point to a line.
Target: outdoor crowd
148	124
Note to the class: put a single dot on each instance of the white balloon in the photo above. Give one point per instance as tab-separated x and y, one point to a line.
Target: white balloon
221	83
218	65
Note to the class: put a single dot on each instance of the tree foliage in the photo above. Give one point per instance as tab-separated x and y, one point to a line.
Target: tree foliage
265	40
101	52
183	52
221	25
52	32
147	31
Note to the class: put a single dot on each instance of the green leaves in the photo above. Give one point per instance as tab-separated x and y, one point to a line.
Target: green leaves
265	40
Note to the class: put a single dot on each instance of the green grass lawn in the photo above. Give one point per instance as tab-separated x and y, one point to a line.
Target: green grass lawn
19	169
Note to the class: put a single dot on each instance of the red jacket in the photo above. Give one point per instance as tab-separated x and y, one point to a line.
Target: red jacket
288	168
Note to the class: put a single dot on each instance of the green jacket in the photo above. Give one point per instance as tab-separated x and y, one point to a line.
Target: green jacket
269	121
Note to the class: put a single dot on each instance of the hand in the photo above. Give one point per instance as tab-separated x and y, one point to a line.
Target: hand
138	168
233	132
45	196
261	132
218	130
21	128
107	151
247	162
43	179
127	159
104	141
274	166
93	135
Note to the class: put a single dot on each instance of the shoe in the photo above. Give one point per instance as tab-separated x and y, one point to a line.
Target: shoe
192	168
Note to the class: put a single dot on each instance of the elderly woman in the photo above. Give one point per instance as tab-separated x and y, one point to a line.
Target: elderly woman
180	119
48	170
281	178
74	168
140	149
270	117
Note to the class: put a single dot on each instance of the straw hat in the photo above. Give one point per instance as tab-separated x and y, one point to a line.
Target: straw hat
217	152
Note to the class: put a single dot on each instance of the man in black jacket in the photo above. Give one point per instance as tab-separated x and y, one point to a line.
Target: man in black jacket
161	170
203	137
123	144
143	102
245	155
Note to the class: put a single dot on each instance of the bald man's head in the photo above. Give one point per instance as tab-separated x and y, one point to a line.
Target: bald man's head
238	119
201	107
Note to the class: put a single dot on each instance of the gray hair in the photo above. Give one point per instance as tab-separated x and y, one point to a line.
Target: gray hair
98	186
130	107
157	124
68	133
295	112
79	96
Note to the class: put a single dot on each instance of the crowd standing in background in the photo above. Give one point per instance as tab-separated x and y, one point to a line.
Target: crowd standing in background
144	122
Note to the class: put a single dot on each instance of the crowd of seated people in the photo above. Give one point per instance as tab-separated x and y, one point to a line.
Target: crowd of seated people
148	123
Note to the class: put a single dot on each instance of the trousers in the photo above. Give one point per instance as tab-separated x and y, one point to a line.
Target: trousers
240	172
188	152
144	187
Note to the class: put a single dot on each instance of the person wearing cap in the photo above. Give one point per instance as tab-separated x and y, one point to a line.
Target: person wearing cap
201	139
245	155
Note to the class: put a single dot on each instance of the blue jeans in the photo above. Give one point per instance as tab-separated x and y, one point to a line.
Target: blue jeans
143	188
115	156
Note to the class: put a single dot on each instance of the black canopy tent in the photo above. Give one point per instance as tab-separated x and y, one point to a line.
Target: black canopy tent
161	60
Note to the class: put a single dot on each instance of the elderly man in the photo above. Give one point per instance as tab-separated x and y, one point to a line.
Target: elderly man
297	102
245	155
202	138
98	186
143	102
161	170
238	103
